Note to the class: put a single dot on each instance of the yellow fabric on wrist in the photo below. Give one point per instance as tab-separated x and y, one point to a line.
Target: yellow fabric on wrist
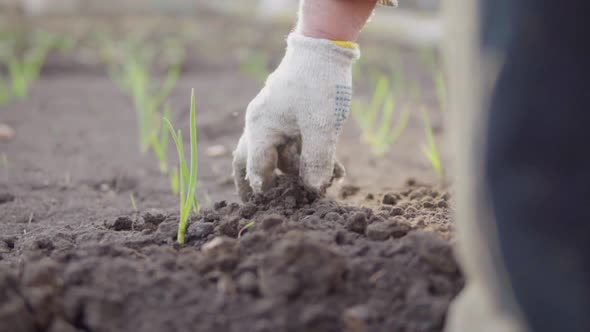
346	44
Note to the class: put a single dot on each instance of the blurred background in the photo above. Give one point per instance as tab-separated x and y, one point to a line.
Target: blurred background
96	78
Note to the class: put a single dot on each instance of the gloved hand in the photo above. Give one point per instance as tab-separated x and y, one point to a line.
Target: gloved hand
294	122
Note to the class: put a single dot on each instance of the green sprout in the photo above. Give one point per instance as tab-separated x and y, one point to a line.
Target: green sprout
187	179
430	150
375	119
245	228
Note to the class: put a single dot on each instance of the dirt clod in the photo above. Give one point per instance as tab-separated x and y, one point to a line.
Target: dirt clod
198	231
248	211
6	197
390	199
122	224
154	217
271	221
357	223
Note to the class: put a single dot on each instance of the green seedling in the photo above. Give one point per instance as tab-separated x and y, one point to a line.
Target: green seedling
375	119
430	150
187	179
245	228
159	142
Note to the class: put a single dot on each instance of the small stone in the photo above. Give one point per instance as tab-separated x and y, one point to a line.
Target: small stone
357	223
199	231
6	132
370	197
247	211
390	199
122	224
218	243
271	221
356	318
216	151
410	182
442	204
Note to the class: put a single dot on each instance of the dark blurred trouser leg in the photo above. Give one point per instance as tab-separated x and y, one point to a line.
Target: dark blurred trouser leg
519	121
537	158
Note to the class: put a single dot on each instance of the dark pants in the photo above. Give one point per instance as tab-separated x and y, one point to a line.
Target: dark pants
538	155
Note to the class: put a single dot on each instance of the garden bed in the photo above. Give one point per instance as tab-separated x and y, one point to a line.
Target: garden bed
88	224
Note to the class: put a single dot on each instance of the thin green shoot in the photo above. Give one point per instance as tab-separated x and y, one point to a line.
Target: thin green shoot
133	203
187	179
245	228
430	150
159	141
375	119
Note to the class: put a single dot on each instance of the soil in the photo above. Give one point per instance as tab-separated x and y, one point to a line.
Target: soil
76	255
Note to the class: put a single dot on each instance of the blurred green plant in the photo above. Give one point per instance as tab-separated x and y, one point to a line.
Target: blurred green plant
23	56
375	118
130	65
429	58
430	150
187	179
159	141
255	64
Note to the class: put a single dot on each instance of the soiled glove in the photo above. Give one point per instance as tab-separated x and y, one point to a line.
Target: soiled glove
294	122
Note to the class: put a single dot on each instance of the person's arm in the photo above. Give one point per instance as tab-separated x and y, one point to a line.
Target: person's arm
334	19
293	124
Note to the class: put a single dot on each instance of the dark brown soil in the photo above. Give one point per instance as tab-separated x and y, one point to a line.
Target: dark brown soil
303	266
75	255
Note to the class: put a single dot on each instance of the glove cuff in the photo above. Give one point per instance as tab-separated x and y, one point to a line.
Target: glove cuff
297	43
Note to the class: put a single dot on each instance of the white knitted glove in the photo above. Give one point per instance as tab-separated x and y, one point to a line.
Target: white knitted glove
294	122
